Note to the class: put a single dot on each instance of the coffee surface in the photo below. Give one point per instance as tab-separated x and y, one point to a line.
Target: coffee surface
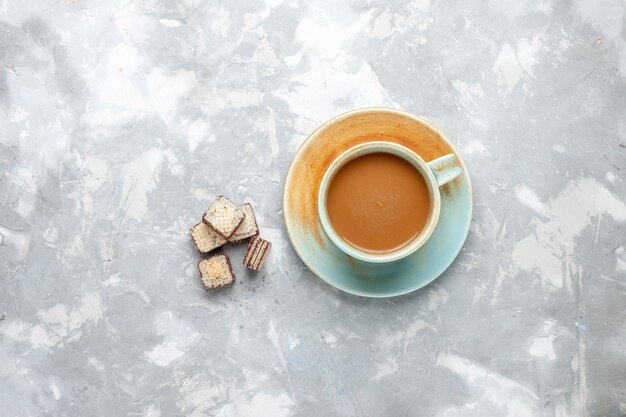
378	202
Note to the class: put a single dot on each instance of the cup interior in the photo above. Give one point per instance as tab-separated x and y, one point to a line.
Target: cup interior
418	163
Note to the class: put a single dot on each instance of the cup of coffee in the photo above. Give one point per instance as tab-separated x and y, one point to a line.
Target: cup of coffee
380	201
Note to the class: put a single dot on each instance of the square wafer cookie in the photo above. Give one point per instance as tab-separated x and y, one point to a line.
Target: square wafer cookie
257	251
248	226
216	272
223	216
205	238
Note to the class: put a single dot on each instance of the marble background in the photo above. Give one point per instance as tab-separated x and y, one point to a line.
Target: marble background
121	121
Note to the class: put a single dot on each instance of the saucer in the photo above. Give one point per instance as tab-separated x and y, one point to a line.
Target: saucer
304	226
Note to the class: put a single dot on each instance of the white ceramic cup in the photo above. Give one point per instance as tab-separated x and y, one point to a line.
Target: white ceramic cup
435	173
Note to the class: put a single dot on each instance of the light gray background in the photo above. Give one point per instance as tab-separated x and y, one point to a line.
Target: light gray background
121	121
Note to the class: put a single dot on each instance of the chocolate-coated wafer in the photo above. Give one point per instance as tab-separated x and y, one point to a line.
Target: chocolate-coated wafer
257	251
205	238
216	272
223	216
248	226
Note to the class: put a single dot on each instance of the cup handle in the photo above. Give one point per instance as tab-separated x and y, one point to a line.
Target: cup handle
445	168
